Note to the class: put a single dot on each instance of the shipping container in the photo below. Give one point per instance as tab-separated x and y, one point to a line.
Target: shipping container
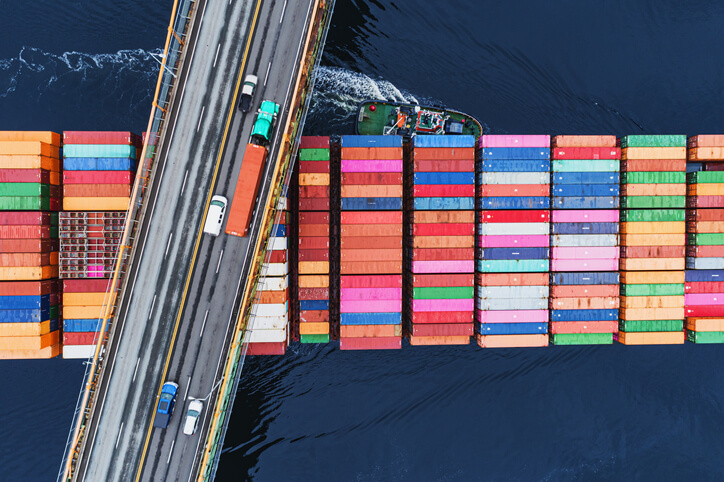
245	193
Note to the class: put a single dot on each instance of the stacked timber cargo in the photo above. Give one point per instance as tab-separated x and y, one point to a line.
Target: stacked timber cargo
705	240
440	243
98	170
313	245
371	243
268	328
653	239
513	241
584	276
82	310
89	243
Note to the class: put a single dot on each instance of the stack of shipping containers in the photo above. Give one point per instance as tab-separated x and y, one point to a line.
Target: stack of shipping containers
82	306
705	241
513	241
29	189
584	278
268	329
314	236
371	243
440	242
653	239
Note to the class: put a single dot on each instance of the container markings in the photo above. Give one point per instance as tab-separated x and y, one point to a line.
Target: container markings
168	245
136	370
217	54
200	118
184	184
219	263
152	305
118	439
266	77
170	452
283	10
203	325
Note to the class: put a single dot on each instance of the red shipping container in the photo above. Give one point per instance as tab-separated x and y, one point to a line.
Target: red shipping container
24	232
586	153
313	230
381	343
28	245
97	190
313	254
79	338
28	288
85	285
313	293
705	251
444	166
101	137
705	310
583	291
378	242
371	217
437	317
20	218
266	349
313	218
376	254
308	204
702	215
444	190
522	216
314	142
442	329
705	201
369	153
317	192
562	327
652	251
446	229
371	178
29	175
584	141
714	166
443	254
442	280
512	279
380	281
515	190
313	167
653	165
97	177
314	243
704	287
279	256
444	153
314	316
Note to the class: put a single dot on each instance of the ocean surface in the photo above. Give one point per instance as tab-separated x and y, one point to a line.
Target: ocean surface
427	413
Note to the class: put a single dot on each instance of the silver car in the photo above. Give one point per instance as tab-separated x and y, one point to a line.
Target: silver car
192	416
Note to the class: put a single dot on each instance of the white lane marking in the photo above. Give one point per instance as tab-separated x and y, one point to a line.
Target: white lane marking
267	72
203	325
168	245
136	370
203	108
170	452
217	54
283	10
219	263
188	384
150	312
184	184
119	435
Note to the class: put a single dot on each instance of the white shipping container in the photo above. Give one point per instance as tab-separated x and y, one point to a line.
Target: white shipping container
78	351
277	243
275	269
269	322
504	304
265	336
516	178
272	283
508	229
271	309
584	240
485	292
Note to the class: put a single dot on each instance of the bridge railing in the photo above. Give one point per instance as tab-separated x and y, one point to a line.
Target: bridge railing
314	45
171	62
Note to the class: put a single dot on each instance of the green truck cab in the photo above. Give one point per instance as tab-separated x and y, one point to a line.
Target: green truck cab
264	123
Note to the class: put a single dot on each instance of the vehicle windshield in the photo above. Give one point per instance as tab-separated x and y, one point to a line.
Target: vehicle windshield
193	413
217	203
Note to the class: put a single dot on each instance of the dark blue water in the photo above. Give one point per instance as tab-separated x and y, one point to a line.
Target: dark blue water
447	413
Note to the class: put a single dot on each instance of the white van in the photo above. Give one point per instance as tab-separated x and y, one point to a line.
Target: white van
215	217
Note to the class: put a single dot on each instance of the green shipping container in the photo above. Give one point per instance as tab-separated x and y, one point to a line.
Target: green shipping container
53	218
653	177
653	290
654	141
705	239
705	336
24	203
314	338
451	293
582	339
660	215
632	326
705	177
53	231
653	202
99	150
577	165
24	189
313	154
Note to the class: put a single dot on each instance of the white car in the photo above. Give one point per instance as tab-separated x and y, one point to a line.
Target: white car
215	216
247	92
192	416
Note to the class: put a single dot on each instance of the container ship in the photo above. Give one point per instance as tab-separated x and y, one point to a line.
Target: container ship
380	117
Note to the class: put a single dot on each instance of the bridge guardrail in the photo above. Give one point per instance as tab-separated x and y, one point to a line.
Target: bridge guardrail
171	63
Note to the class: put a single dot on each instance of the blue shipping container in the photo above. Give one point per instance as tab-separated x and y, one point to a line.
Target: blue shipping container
694	276
370	318
371	204
24	316
443	141
512	266
436	178
279	230
444	203
371	141
584	228
516	166
515	153
585	202
98	164
513	328
25	302
523	202
313	305
80	325
586	178
585	190
513	253
584	315
594	278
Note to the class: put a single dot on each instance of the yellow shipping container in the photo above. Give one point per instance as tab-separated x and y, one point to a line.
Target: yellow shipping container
95	203
85	312
28	273
25	329
313	281
29	162
313	179
29	342
313	267
654	190
47	137
316	328
652	264
83	299
652	277
652	338
29	148
705	324
706	189
43	353
652	301
653	153
653	239
710	227
652	313
666	227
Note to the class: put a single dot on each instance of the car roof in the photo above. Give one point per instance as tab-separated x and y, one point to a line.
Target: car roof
251	78
197	405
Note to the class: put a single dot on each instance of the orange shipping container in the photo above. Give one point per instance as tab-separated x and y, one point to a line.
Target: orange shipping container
584	141
371	230
438	217
44	353
247	186
439	340
653	153
653	165
653	239
28	273
706	153
710	227
652	338
313	179
318	328
27	259
512	279
315	230
384	242
83	299
511	341
13	343
371	217
29	148
652	313
646	227
313	267
369	331
379	190
652	301
443	241
47	137
654	190
85	312
444	153
365	153
652	277
29	162
371	254
706	140
97	190
593	303
313	281
706	189
24	329
652	264
370	267
265	297
705	324
96	203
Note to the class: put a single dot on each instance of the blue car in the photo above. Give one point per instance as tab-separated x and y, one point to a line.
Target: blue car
166	402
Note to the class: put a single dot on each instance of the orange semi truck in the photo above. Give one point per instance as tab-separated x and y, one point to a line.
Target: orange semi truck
247	187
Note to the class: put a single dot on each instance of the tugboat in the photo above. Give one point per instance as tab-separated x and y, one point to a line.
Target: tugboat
375	117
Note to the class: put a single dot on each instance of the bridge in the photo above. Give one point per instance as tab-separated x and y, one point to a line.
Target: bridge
179	300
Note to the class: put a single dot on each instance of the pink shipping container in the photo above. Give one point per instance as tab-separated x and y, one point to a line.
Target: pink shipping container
371	306
588	252
465	266
695	299
353	294
443	305
101	137
584	265
512	241
585	216
97	177
376	281
515	141
16	218
372	166
513	316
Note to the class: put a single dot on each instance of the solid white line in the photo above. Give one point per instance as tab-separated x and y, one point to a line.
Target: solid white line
267	72
136	370
168	245
184	184
203	325
119	435
217	54
203	108
150	312
170	452
219	263
188	384
283	10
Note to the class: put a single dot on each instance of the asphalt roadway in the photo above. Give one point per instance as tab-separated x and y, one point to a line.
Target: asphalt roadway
176	321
